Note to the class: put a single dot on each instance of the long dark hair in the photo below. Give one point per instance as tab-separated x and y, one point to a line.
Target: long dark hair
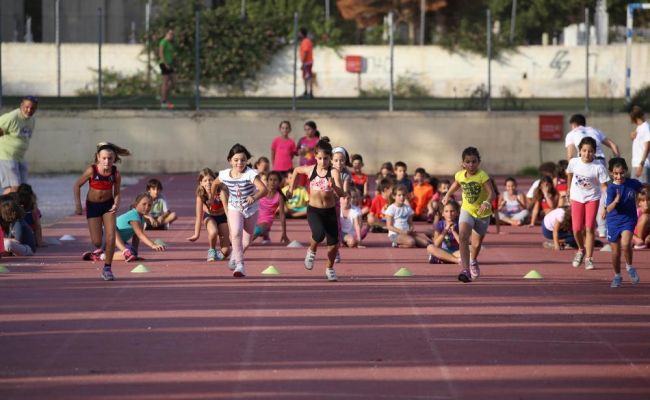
239	148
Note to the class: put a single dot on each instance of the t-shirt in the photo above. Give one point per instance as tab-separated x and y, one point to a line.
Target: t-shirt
553	216
268	207
299	197
625	210
531	192
449	241
422	195
309	158
574	137
17	132
400	215
239	189
474	193
406	182
306	51
359	180
638	144
587	177
347	223
123	224
158	207
284	150
378	206
168	51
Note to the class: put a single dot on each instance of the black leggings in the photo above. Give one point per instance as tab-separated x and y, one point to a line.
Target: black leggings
323	222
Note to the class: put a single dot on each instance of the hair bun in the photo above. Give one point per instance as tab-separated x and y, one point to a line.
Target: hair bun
325	139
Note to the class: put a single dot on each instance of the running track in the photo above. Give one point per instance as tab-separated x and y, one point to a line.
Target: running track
188	330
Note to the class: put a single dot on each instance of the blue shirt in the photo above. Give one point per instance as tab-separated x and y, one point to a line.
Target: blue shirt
625	210
124	227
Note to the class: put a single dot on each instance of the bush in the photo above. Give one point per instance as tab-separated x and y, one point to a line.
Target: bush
118	84
407	86
640	98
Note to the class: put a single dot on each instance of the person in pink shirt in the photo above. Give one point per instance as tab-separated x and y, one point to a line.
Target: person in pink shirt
283	149
306	146
270	204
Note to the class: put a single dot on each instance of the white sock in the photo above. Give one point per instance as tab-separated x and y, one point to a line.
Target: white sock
628	266
617	275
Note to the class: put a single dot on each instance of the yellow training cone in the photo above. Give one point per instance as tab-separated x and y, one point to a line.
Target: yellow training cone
403	272
271	270
532	274
140	269
3	269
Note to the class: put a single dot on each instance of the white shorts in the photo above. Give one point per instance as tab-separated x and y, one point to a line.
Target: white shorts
12	173
479	225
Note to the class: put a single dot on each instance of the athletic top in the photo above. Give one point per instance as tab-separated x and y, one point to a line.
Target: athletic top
268	207
512	205
215	206
239	189
102	182
320	183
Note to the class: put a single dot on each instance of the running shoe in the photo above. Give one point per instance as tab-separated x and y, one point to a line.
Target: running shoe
434	260
577	259
219	255
616	282
128	255
331	274
232	264
634	276
240	271
212	255
547	244
107	275
92	255
465	276
589	263
338	257
309	259
266	241
474	269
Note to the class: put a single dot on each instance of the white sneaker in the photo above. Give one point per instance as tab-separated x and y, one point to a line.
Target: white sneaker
331	274
240	271
577	259
231	264
309	259
589	263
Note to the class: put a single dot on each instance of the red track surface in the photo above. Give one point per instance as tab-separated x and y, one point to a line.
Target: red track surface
188	330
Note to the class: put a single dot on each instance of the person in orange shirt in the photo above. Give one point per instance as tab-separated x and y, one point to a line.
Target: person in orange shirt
422	194
307	59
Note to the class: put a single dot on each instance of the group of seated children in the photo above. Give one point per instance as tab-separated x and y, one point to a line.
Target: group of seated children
20	223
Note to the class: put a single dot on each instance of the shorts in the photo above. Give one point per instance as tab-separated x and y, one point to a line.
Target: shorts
97	210
12	173
479	225
583	215
306	70
614	230
165	70
218	219
323	223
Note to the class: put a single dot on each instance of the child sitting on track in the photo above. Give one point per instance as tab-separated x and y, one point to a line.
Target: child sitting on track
399	221
445	246
160	216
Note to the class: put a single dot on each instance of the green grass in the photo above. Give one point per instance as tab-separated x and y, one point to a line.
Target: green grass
329	103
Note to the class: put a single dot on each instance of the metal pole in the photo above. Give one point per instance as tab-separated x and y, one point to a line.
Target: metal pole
197	61
423	5
242	13
488	99
513	20
295	59
57	36
327	13
99	58
147	18
628	51
390	36
587	60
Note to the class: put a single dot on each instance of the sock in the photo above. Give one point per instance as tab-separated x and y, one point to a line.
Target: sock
628	266
617	275
107	267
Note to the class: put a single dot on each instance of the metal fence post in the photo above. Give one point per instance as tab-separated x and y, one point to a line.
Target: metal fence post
422	15
513	20
99	58
295	59
57	37
587	34
488	99
327	13
147	17
197	61
392	46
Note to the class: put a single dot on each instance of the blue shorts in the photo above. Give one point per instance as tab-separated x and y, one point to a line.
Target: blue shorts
218	219
97	210
614	231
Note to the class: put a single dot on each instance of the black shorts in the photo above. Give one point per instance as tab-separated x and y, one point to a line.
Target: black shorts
323	223
165	70
218	219
97	210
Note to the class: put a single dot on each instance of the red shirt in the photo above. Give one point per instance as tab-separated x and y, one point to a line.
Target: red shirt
306	51
359	180
378	206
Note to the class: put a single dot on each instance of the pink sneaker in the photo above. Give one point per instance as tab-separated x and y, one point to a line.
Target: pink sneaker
128	255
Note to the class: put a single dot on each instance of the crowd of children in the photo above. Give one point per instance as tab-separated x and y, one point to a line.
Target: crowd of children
330	190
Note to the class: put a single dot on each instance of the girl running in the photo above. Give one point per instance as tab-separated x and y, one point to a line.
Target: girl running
102	202
325	186
130	226
588	179
210	212
244	190
270	204
475	211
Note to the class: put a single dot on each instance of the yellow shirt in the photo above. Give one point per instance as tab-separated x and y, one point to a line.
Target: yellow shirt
473	192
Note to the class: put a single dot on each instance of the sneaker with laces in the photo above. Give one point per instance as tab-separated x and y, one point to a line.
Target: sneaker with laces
107	275
266	241
232	264
331	274
589	263
616	282
128	255
94	255
309	259
212	255
474	270
465	276
634	276
219	255
240	271
577	259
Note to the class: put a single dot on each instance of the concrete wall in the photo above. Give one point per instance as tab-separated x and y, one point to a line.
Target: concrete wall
184	142
532	71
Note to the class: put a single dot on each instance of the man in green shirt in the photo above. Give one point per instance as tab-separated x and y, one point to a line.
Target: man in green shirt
16	129
166	55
